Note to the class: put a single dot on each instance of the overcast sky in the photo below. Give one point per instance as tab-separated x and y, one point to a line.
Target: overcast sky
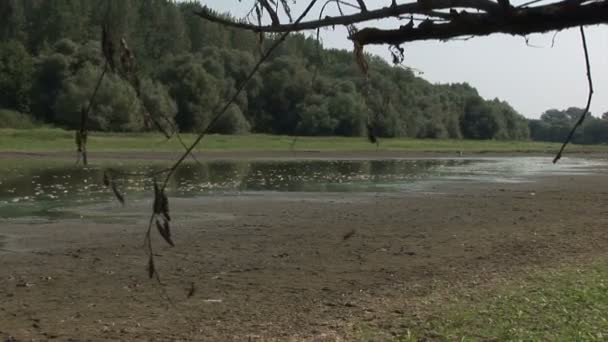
531	79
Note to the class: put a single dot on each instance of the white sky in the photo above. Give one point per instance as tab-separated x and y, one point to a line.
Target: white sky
531	79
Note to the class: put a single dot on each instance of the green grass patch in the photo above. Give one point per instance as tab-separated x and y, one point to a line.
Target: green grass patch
563	305
52	139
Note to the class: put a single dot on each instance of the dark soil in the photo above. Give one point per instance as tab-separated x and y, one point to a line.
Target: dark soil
288	267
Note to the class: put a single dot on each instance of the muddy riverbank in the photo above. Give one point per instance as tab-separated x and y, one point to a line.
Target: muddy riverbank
299	266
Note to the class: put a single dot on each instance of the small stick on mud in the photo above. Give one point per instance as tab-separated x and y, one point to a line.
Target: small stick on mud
191	290
349	235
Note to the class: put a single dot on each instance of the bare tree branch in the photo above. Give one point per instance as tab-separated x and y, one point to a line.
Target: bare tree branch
519	22
362	5
82	134
589	98
484	17
273	15
420	7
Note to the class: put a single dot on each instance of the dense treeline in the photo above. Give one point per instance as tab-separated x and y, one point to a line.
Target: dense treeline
555	125
50	60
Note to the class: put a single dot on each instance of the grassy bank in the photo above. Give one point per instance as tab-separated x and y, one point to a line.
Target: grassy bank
48	140
567	304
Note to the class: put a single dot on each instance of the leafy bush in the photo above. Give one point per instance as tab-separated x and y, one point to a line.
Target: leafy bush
12	119
16	68
160	106
232	122
116	107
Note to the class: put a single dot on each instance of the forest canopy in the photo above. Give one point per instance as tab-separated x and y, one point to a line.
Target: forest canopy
50	59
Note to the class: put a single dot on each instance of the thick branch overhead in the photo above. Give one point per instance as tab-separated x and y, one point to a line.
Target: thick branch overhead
518	22
420	7
443	19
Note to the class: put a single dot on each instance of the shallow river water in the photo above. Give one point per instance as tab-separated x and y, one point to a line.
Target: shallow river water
43	189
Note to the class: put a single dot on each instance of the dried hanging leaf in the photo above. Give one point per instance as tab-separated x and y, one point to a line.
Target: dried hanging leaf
165	232
107	47
167	228
287	10
258	14
136	84
260	41
158	205
151	268
117	193
160	227
165	205
127	58
78	141
398	54
358	51
106	179
84	115
370	134
360	58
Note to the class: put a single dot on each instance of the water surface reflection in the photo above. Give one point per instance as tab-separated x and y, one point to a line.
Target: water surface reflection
37	189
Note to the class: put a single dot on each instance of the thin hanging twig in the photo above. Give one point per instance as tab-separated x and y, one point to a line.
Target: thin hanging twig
589	98
82	133
170	171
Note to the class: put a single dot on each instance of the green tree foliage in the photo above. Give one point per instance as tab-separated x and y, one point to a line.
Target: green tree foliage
314	116
16	68
190	67
492	119
12	119
232	122
159	107
555	125
479	120
196	91
511	125
13	23
50	71
286	84
115	108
